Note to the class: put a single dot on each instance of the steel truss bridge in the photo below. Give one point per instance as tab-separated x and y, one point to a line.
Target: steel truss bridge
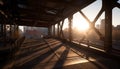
48	13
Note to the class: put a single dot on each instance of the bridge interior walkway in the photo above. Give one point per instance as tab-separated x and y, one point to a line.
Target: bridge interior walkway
55	54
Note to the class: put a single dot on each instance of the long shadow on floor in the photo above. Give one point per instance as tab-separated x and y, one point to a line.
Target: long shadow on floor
62	59
32	63
27	53
35	49
102	61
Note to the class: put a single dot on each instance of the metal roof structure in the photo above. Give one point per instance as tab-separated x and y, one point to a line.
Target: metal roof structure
41	13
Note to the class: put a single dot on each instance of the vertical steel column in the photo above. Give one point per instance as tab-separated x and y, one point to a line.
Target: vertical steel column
58	29
49	30
14	27
2	29
108	25
4	33
17	28
70	27
61	31
54	30
16	32
10	30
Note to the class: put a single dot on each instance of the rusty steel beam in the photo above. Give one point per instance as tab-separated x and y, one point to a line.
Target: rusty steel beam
70	27
58	29
54	30
92	24
31	23
47	19
69	11
61	31
85	16
2	29
72	3
41	25
98	15
108	25
49	30
16	31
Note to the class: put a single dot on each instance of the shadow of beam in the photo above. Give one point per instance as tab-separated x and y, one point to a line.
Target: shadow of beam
62	59
32	63
102	60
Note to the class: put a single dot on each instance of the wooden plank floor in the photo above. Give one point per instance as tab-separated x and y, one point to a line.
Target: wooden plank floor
53	54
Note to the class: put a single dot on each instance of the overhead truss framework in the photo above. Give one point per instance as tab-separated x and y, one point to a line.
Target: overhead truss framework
41	13
107	6
46	13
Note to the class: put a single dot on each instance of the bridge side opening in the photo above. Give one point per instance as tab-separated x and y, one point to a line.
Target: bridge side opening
54	16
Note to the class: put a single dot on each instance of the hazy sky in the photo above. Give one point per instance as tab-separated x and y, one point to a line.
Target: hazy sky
92	10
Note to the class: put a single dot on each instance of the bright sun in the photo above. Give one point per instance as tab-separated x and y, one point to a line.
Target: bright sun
80	23
81	26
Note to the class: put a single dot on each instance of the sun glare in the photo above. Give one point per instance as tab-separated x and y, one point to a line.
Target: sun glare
81	26
80	23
